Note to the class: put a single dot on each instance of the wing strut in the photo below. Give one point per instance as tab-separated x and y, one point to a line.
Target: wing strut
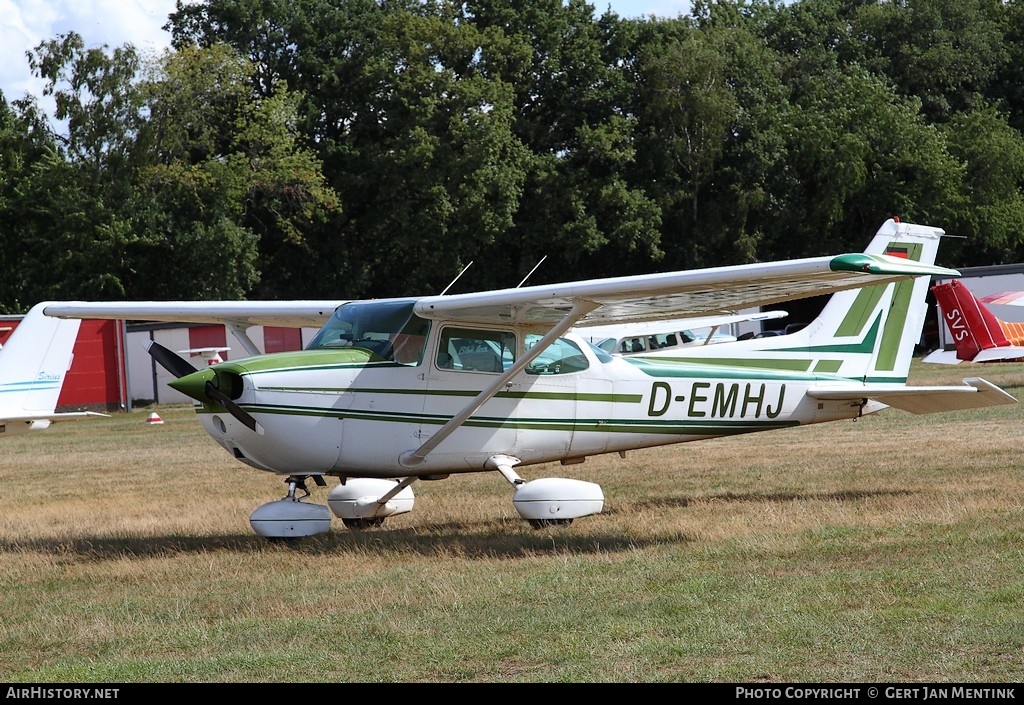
412	458
242	334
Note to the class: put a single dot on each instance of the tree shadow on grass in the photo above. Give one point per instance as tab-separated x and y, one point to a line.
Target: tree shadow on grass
772	497
490	539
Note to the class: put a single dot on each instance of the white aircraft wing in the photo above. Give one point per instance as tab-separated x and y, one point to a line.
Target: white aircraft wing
286	314
1004	298
698	292
973	394
652	327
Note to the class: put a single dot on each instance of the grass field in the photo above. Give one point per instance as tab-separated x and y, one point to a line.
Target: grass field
888	549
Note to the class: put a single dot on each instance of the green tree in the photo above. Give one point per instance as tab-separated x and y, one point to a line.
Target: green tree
414	139
72	226
946	53
453	132
227	193
25	141
992	220
584	205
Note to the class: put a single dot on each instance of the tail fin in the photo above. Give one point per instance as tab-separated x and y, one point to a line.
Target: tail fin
866	334
977	333
876	329
33	365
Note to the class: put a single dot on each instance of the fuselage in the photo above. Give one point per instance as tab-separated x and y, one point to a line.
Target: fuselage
365	393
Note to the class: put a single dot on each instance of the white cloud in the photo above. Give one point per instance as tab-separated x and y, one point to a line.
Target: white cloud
26	23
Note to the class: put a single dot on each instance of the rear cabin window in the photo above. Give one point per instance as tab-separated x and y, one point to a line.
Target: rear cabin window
560	358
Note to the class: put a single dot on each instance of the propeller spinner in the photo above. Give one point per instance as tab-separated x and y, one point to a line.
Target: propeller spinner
201	385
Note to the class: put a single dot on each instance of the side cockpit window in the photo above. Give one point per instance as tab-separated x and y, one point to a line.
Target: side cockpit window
475	350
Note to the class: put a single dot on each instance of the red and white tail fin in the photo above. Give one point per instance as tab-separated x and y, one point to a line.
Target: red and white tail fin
979	336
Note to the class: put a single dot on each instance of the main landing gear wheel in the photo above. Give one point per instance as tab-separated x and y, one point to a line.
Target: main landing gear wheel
365	502
357	524
549	501
541	523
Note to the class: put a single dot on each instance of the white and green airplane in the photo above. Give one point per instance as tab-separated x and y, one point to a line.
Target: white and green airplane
391	391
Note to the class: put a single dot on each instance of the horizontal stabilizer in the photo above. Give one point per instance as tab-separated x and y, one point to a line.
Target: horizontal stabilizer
66	416
1006	352
975	393
942	357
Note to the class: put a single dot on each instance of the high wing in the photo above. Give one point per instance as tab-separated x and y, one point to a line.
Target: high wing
238	316
242	314
654	297
715	291
1004	298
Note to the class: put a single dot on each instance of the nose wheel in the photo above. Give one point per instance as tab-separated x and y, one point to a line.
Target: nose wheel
291	517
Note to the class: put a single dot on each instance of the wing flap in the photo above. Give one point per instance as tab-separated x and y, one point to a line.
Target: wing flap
975	393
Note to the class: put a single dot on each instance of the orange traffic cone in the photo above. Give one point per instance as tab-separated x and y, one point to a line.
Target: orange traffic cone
154	418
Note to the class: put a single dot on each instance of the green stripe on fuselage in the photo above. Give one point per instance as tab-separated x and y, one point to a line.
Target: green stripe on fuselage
695	427
703	370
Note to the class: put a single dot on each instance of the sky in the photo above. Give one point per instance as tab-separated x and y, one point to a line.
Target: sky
26	23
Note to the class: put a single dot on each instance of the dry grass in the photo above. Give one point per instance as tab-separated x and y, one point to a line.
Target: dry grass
885	549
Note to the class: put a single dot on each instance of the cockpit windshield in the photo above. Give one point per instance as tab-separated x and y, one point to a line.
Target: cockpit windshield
388	329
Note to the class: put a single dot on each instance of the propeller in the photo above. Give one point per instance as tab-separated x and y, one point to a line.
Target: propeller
169	360
234	409
181	368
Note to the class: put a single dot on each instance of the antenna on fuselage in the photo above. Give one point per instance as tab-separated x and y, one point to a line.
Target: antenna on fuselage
456	278
532	271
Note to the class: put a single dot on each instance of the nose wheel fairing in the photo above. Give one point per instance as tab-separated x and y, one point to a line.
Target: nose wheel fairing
291	517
